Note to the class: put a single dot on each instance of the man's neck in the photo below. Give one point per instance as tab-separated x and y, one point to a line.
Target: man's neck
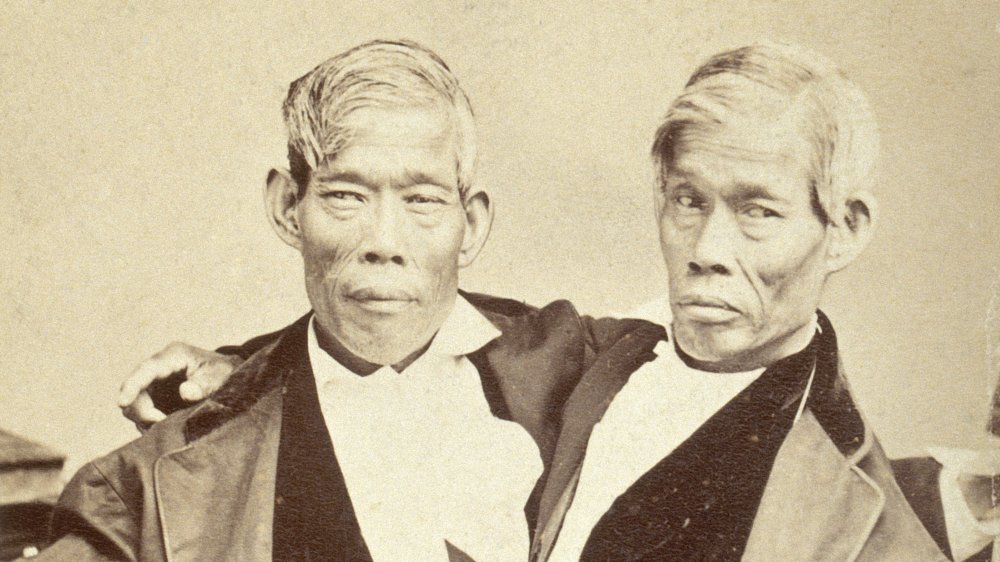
356	364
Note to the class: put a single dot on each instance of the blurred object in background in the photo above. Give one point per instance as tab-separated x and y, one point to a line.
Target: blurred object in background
993	356
964	506
29	486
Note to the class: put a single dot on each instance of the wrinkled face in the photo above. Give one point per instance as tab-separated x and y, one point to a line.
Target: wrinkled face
382	227
744	250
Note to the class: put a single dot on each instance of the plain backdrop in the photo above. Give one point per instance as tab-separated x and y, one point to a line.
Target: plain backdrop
136	138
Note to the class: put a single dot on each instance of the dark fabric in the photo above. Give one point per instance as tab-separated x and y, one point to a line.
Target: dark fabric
830	399
314	519
209	472
313	515
918	479
699	502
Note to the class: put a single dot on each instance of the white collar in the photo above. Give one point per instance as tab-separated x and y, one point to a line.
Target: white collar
464	331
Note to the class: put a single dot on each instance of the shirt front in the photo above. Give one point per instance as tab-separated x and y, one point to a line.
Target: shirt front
424	459
663	403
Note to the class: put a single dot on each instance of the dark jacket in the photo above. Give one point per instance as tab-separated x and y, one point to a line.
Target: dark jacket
200	485
830	494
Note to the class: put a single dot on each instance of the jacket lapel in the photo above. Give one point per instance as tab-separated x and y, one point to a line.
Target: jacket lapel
816	506
529	370
819	505
216	495
585	408
313	515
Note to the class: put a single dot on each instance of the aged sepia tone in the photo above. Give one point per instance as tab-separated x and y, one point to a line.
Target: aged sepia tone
139	137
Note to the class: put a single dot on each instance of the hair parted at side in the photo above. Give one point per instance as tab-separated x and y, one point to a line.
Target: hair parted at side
382	74
839	121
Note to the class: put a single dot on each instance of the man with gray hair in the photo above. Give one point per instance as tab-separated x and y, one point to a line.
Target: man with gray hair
741	440
401	419
738	437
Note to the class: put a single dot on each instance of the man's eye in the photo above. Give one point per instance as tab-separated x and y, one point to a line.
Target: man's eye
346	200
689	202
423	200
758	212
344	196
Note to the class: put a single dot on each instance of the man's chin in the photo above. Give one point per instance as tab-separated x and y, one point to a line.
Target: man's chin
385	342
710	344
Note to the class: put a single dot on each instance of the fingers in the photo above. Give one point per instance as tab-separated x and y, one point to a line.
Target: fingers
142	411
209	375
172	359
195	389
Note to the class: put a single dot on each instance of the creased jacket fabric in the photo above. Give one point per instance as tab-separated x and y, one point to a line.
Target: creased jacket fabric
200	485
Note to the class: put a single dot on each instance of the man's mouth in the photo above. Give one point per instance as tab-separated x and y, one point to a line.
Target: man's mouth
708	309
380	300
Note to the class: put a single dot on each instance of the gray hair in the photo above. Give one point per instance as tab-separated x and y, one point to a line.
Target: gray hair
383	74
838	120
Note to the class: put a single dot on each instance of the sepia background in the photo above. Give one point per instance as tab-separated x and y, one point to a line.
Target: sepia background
136	137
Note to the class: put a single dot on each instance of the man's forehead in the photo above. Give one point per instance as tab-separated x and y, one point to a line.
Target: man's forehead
749	139
752	156
406	146
403	125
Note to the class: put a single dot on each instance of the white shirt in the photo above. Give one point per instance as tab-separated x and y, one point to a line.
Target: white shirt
423	457
663	403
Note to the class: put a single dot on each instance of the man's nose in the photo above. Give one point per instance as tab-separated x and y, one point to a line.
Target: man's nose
385	242
714	248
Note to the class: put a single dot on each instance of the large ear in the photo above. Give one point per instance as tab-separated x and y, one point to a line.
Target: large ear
852	231
478	223
281	200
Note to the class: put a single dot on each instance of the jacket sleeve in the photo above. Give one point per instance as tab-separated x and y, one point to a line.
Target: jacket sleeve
91	522
628	341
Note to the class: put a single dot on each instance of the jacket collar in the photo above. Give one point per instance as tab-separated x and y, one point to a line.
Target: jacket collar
260	374
831	487
245	414
584	408
465	330
830	436
221	485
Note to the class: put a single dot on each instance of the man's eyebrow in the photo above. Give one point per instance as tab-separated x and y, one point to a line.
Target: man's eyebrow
416	177
754	191
345	176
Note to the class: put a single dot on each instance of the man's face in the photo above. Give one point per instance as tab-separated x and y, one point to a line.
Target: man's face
382	228
744	250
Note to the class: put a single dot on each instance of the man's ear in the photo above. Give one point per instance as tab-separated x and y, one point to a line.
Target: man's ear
281	201
852	230
478	222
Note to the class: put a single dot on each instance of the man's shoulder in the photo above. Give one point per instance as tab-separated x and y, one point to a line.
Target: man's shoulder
500	308
555	339
560	315
141	453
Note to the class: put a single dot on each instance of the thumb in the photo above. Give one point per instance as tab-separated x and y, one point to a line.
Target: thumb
206	378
